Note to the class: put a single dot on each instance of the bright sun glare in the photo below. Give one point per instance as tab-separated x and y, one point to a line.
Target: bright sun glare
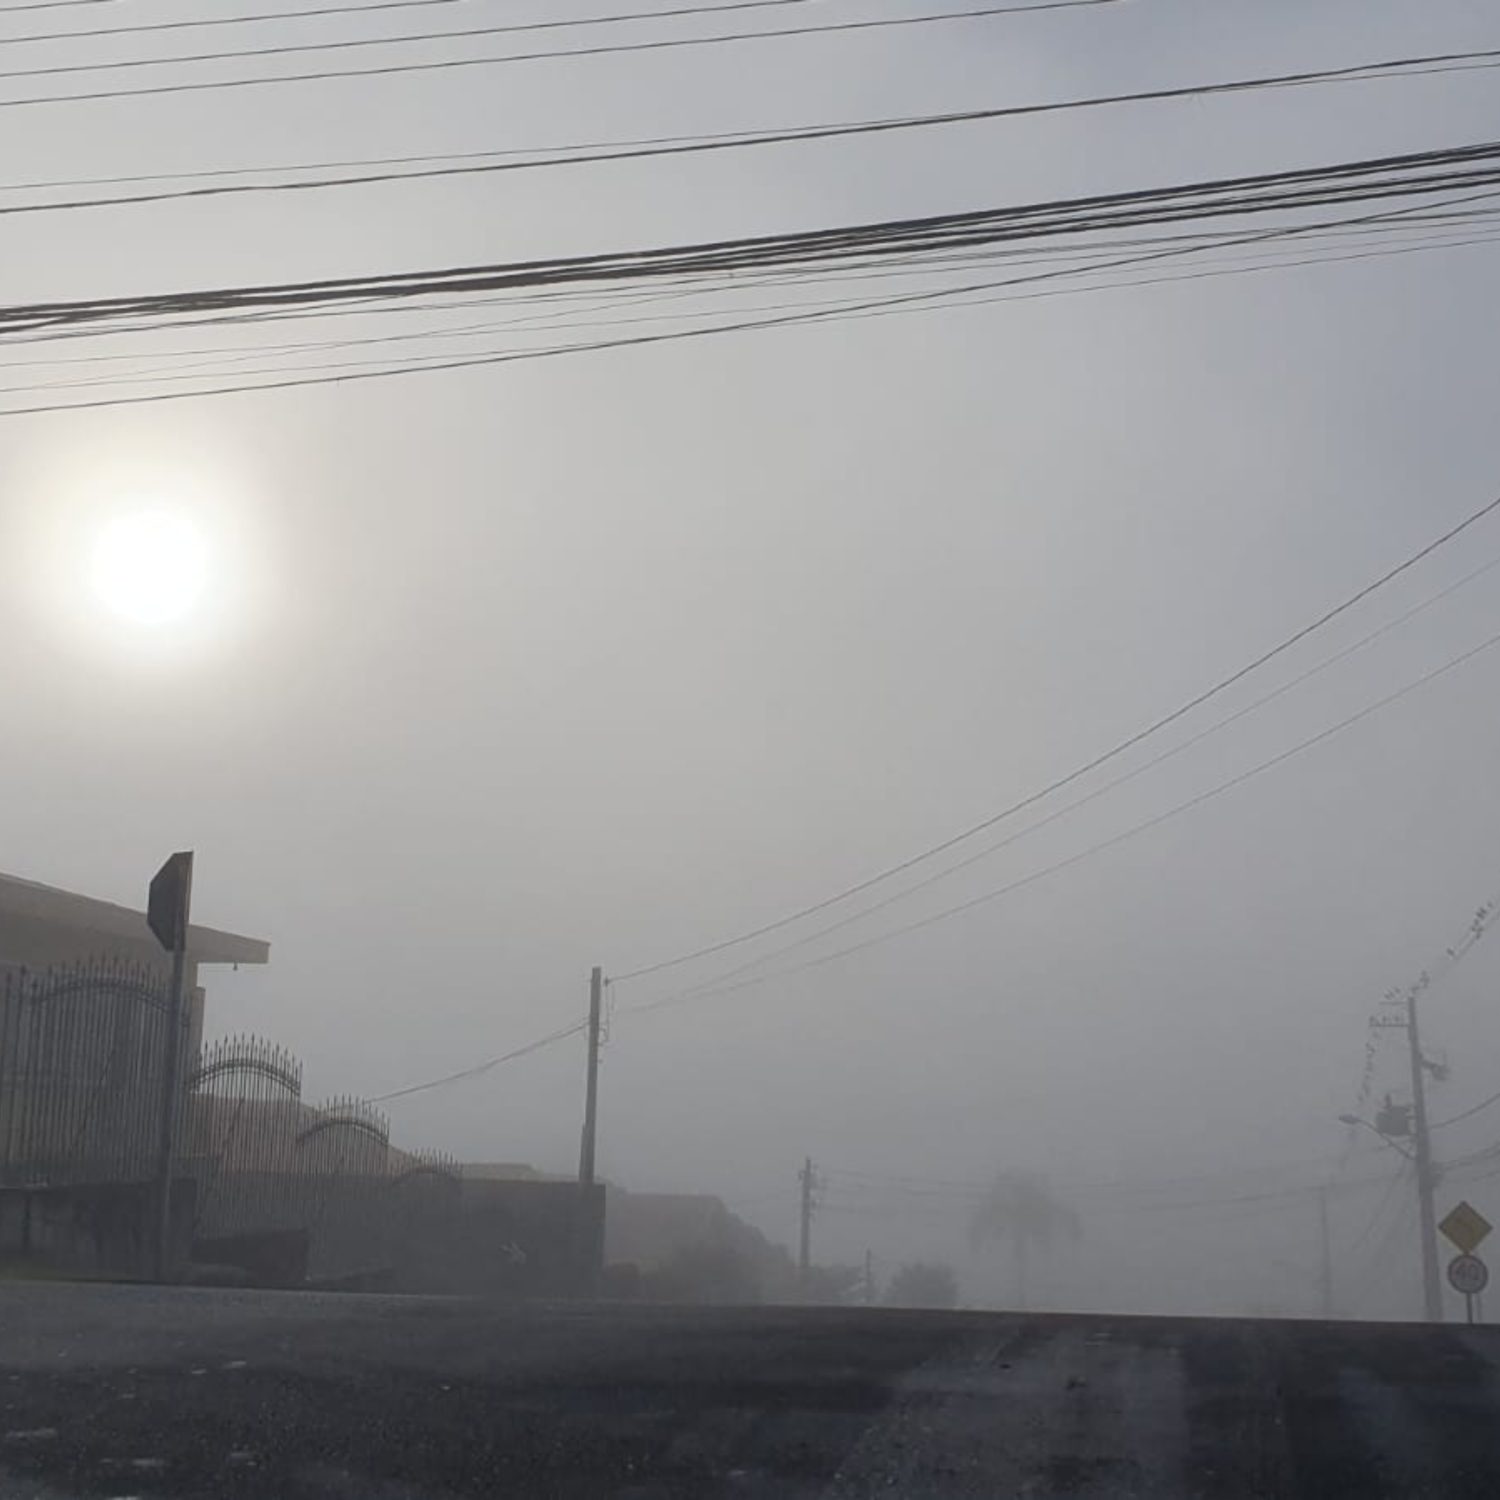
150	567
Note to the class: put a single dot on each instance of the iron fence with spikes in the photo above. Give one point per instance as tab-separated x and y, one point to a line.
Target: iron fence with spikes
82	1053
82	1048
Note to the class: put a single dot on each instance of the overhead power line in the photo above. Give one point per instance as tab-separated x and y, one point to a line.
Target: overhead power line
576	152
337	371
1091	277
383	170
1112	753
579	308
907	891
1466	1114
1481	1176
952	297
984	898
1306	1190
1472	1158
296	377
11	10
199	23
600	49
902	1181
1419	174
1434	974
1385	1201
1471	170
479	1069
967	1196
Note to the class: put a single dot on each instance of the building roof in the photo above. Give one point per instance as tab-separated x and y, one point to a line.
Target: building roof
502	1171
32	914
650	1228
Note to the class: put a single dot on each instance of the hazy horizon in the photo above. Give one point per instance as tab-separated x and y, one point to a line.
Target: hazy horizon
506	673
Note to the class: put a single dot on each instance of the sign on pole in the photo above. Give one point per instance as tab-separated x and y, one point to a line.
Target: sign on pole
1468	1274
167	904
167	907
1466	1227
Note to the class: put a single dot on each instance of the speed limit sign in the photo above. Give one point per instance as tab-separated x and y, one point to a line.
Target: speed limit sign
1468	1274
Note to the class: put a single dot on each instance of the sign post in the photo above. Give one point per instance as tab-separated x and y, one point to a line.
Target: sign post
1469	1275
1467	1228
167	911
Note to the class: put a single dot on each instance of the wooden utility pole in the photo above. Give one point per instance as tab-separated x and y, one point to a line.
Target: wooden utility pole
1421	1154
591	1087
1432	1291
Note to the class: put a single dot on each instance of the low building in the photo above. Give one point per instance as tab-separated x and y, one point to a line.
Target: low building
42	926
689	1247
85	1043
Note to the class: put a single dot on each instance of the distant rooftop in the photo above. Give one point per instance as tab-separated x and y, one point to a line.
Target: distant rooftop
39	922
501	1171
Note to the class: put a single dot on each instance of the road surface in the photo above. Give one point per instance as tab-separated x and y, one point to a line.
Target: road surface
128	1391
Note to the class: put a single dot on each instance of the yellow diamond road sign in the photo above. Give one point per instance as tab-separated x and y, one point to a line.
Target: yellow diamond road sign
1466	1227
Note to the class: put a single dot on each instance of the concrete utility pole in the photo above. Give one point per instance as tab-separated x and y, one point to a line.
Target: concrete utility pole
1432	1293
1421	1154
1325	1262
804	1251
591	1087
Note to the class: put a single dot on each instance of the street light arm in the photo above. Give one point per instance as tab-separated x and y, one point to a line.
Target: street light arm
1385	1139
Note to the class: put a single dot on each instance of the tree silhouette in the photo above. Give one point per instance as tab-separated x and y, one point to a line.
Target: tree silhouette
1021	1212
923	1284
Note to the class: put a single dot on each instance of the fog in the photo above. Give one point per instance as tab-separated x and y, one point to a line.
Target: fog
513	672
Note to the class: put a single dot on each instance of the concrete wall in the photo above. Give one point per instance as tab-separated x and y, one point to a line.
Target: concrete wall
425	1233
100	1229
273	1258
509	1240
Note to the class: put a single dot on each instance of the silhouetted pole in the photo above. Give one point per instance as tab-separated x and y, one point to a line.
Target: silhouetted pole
804	1250
1432	1292
591	1088
167	910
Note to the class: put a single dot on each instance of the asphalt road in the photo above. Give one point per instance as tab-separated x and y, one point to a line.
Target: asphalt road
117	1391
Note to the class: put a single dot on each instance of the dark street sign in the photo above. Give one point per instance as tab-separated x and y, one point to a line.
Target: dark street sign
167	906
1466	1227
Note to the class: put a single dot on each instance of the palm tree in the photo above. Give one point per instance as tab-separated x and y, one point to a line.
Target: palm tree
1021	1212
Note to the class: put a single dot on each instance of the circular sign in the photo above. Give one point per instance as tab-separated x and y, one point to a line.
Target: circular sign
1468	1274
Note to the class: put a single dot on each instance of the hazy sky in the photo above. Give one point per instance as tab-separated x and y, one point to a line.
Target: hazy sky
512	672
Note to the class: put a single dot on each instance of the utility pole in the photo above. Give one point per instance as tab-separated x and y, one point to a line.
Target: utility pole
591	1087
167	907
1432	1295
869	1279
1325	1263
804	1251
590	1231
1421	1154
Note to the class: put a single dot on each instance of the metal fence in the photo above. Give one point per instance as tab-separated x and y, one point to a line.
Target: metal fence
239	1141
82	1049
265	1161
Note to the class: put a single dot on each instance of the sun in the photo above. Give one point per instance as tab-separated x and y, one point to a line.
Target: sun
150	567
